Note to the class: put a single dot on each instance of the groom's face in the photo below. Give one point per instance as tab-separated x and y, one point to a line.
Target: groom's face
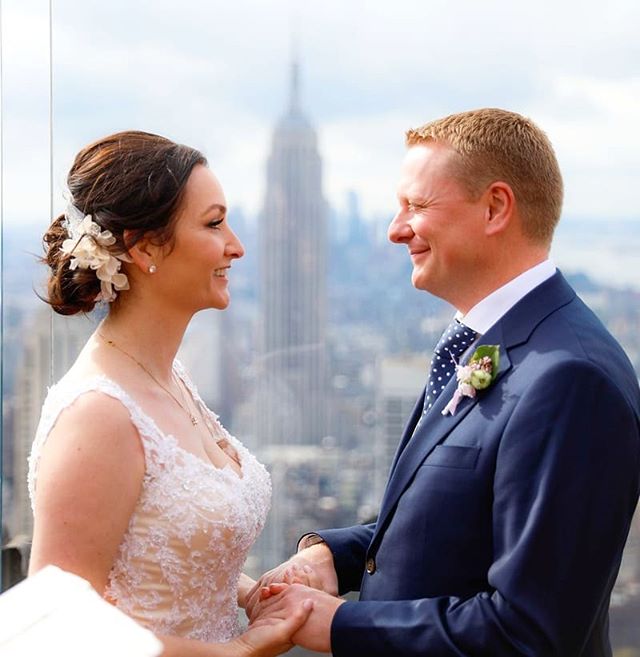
440	225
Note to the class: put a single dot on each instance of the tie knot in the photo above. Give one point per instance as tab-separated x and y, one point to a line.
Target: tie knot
455	340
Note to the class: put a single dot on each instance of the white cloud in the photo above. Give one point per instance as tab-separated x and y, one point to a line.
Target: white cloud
214	75
597	148
364	155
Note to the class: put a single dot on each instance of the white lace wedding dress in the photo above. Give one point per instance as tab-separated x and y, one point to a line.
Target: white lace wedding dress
177	568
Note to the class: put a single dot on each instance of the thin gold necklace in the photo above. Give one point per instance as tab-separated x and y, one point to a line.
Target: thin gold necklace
111	343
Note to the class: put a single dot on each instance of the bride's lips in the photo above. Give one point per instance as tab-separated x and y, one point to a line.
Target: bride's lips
221	273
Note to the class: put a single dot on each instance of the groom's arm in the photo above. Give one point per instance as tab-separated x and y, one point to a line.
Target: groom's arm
336	558
565	488
349	547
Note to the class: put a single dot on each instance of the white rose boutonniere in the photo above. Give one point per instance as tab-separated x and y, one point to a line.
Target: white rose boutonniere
478	374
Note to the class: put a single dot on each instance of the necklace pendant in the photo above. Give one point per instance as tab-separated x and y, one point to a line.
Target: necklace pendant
194	420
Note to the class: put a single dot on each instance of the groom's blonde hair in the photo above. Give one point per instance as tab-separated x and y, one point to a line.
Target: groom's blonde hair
493	144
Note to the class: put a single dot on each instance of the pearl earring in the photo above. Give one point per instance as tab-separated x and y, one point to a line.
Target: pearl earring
152	269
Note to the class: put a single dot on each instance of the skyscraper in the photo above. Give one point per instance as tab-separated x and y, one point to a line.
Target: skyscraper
399	382
291	399
48	351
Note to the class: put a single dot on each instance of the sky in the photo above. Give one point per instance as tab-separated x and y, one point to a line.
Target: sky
215	74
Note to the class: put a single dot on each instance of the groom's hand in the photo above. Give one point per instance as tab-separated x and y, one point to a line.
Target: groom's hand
285	599
312	566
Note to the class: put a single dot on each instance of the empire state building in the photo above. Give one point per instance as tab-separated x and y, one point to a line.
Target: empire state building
293	286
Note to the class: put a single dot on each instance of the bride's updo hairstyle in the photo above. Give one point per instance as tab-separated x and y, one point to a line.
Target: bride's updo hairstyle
131	181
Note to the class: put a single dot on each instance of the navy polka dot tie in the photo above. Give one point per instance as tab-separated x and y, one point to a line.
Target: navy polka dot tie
454	342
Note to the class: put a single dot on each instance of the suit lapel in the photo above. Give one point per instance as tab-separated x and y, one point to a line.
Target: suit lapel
424	433
433	428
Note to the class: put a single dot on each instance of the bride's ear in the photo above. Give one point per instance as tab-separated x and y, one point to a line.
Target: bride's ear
144	254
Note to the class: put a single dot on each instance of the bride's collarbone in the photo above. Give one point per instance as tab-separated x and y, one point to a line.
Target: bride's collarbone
197	440
208	445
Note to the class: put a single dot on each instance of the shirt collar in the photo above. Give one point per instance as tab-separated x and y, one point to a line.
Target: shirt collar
488	311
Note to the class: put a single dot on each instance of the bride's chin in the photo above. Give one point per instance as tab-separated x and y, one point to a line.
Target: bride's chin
221	302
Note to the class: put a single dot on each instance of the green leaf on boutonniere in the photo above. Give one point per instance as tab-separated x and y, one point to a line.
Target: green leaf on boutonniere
491	351
478	374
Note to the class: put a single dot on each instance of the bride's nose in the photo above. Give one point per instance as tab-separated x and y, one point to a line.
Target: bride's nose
234	248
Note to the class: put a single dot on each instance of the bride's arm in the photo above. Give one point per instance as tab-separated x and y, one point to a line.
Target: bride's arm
245	584
89	479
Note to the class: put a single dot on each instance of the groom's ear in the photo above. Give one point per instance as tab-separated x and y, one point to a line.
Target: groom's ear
500	207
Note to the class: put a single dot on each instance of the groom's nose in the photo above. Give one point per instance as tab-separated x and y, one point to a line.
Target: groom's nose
399	230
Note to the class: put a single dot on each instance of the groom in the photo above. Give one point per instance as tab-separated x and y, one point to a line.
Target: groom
506	512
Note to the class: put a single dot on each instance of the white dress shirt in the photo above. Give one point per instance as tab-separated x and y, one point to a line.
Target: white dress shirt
488	311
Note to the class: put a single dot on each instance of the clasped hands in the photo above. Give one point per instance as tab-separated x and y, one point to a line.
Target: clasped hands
307	575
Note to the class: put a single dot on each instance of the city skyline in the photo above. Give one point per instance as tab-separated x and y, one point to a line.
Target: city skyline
337	481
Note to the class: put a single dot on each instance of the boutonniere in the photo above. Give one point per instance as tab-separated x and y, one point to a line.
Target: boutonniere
478	374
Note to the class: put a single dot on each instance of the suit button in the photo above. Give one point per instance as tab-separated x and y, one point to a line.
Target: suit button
371	565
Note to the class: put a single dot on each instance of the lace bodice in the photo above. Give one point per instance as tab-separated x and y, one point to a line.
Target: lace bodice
178	566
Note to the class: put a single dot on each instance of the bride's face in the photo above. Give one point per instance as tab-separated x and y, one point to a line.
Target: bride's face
195	272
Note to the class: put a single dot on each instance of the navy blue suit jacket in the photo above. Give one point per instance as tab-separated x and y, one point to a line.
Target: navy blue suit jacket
502	527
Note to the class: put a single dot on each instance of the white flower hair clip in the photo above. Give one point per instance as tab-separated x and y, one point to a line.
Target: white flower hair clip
87	244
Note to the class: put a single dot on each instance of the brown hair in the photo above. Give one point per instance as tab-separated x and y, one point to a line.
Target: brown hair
493	144
130	181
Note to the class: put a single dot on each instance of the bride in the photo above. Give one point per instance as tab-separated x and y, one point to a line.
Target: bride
135	485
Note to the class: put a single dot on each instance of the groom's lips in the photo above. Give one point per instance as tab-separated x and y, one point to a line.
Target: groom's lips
417	252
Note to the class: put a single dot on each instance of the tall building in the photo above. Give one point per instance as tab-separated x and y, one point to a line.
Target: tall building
289	414
201	354
400	382
291	368
48	350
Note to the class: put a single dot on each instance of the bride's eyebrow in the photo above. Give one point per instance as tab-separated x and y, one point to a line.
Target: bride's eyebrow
216	206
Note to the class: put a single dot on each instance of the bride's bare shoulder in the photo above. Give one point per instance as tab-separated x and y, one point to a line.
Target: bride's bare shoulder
96	422
89	475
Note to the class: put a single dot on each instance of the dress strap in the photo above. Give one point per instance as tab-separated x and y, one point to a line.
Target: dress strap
62	395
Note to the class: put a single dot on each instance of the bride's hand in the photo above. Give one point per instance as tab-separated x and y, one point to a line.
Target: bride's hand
271	636
294	574
312	567
306	574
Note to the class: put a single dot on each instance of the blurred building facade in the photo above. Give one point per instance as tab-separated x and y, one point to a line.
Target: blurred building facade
49	345
289	409
292	366
400	381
